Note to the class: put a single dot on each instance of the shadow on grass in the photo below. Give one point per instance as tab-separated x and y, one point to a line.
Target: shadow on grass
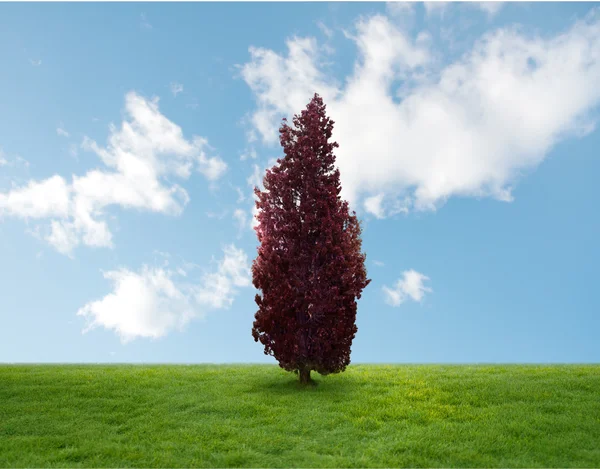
289	385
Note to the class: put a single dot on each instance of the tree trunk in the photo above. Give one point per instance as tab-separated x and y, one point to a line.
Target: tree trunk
304	375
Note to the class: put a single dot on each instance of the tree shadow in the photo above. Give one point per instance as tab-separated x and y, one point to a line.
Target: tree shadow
289	385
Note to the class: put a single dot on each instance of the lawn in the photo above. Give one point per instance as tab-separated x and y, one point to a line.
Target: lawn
259	416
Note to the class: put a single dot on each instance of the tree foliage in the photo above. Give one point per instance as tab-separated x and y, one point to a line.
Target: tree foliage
309	268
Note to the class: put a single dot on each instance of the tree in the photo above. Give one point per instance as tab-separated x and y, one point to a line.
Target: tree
309	267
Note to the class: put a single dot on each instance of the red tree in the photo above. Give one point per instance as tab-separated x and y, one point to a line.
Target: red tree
309	267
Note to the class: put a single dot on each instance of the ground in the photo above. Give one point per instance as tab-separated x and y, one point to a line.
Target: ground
259	416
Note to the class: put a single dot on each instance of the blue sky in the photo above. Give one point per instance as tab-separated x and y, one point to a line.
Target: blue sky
131	135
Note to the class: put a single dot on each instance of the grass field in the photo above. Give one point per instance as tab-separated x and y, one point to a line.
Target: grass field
236	415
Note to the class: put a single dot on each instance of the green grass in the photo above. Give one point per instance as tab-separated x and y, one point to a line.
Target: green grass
368	416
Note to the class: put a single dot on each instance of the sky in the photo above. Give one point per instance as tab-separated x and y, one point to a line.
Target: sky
132	135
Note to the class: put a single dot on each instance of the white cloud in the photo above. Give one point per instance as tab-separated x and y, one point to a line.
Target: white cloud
73	150
144	304
270	75
409	286
62	132
241	196
251	153
373	205
176	88
255	179
253	215
14	161
470	128
325	30
144	23
192	103
139	157
379	263
491	8
383	207
20	161
218	289
218	216
212	168
242	219
402	13
258	173
47	198
35	62
64	237
152	302
239	215
165	256
440	8
433	8
401	9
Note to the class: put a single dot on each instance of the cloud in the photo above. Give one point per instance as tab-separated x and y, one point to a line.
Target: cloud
402	13
144	304
192	103
253	214
379	263
14	161
218	216
144	23
241	196
251	153
62	132
469	128
325	30
436	8
409	286
176	88
491	8
47	198
440	8
373	205
155	301
35	62
218	289
73	150
271	75
242	219
255	179
400	8
139	157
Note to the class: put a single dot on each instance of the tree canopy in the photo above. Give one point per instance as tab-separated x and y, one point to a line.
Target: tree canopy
309	268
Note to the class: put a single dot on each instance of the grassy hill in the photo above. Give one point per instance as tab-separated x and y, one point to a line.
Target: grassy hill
368	416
